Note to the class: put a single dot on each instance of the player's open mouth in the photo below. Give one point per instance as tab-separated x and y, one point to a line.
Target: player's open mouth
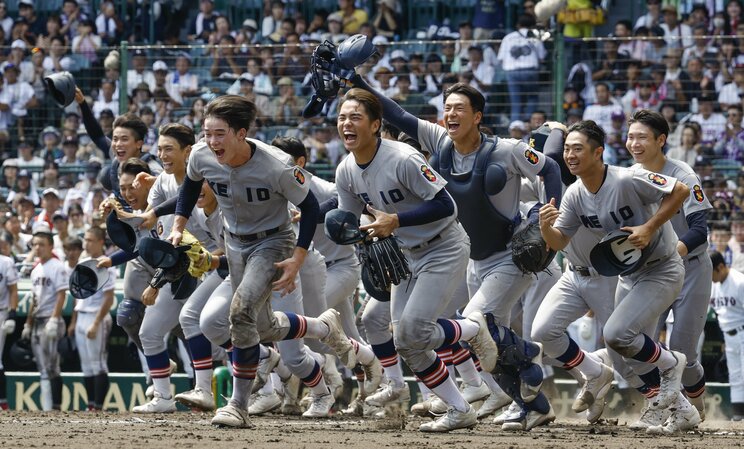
167	166
350	138
121	154
572	165
452	127
219	153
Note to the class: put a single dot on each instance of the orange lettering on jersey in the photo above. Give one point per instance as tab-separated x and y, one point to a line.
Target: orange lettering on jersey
428	174
299	176
697	192
657	179
531	157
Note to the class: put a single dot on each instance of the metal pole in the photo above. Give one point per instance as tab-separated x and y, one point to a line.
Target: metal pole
559	74
123	68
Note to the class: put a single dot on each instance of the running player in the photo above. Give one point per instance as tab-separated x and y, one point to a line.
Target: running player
8	306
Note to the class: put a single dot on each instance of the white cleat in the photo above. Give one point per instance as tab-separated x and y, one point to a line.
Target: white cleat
372	376
452	420
158	404
430	407
475	393
196	398
699	403
231	416
265	366
355	408
389	393
150	391
594	389
495	402
529	420
264	403
337	339
650	417
512	413
320	407
670	382
483	345
332	377
684	417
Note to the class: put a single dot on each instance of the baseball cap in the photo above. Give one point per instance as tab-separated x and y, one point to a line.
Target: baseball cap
71	140
24	174
517	124
335	17
8	66
41	227
284	81
247	77
26	3
159	66
11	162
669	7
380	40
59	214
142	86
107	112
19	43
398	54
250	24
139	52
50	130
50	191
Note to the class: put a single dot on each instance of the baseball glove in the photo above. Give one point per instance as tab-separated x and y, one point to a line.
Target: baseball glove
530	253
200	259
384	261
172	274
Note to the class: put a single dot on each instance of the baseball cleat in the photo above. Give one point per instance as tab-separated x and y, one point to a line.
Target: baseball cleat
650	417
337	339
196	398
452	420
670	382
355	408
290	406
473	393
482	344
430	407
684	417
389	393
265	366
495	402
594	389
531	378
512	413
150	391
372	376
320	407
529	420
699	403
264	403
331	376
231	416
158	404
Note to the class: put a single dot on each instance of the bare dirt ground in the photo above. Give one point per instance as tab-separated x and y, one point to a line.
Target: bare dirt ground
192	430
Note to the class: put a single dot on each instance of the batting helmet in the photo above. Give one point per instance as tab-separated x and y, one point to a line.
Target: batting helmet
354	51
159	253
61	86
342	227
86	278
615	255
21	354
124	233
67	348
369	287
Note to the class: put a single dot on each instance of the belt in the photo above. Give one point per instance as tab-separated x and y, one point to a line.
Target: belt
735	331
426	243
581	271
330	263
693	258
247	238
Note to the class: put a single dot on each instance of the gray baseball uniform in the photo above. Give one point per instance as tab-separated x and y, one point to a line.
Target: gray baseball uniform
8	277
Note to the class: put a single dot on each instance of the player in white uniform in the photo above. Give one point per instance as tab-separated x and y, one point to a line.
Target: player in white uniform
253	183
45	325
609	198
92	323
8	306
393	182
727	299
691	226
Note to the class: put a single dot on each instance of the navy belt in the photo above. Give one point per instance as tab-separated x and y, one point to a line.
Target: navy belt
247	238
427	243
735	331
581	271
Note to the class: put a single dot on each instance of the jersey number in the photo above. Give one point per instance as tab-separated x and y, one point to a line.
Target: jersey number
260	195
625	213
394	195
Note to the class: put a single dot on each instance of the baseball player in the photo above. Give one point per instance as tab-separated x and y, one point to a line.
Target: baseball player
691	226
253	183
45	325
8	306
635	200
407	197
727	301
483	176
92	325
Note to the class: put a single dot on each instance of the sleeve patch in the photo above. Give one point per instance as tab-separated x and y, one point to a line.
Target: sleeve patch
299	176
531	156
697	192
657	179
428	173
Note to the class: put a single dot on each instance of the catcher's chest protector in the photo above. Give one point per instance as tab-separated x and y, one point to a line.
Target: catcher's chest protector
488	229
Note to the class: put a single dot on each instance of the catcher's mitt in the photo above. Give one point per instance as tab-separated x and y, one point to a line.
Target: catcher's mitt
384	261
530	253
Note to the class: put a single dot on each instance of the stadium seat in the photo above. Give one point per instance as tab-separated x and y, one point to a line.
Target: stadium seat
458	11
422	13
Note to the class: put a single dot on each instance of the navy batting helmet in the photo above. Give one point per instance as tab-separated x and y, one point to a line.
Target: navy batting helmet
369	287
354	51
61	86
124	233
67	348
342	227
615	255
86	279
21	354
159	253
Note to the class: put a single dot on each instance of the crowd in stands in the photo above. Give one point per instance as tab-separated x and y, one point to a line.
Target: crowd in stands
686	61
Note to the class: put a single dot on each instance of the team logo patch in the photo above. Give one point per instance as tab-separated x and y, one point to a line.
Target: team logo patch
428	174
697	192
299	176
531	142
531	157
657	179
160	228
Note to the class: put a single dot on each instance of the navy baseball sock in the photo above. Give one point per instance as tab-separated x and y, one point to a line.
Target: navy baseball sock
88	381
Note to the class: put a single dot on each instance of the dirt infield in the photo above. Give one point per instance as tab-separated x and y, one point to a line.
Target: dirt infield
192	430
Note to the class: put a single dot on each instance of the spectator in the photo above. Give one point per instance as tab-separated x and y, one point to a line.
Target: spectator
335	32
615	151
652	16
50	175
87	42
465	40
601	111
484	73
107	100
286	107
180	83
520	57
537	119
730	143
32	72
50	202
324	145
702	49
720	237
295	63
353	18
728	58
108	24
692	82
141	98
26	158
689	148
70	147
53	29
643	96
77	225
50	138
273	21
676	34
25	187
247	36
19	244
381	81
518	130
72	16
434	74
226	59
405	97
6	22
90	180
623	31
106	120
488	16
160	74
195	117
712	124
387	20
699	16
611	65
139	74
572	100
10	173
732	92
204	23
438	101
247	89
16	98
27	12
656	49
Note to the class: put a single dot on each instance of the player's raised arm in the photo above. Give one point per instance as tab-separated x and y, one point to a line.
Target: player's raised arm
391	111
